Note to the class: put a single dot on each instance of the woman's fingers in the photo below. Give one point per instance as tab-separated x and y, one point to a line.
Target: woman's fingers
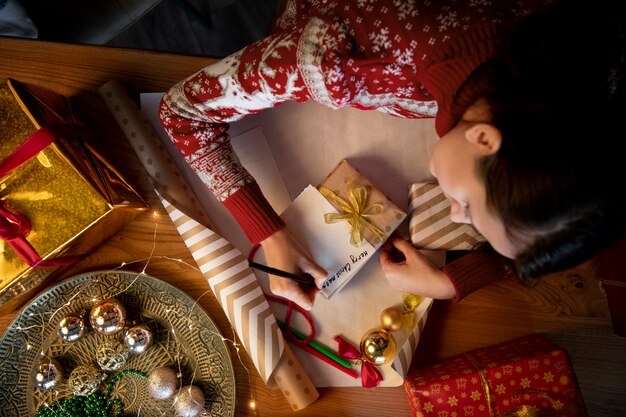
284	287
318	273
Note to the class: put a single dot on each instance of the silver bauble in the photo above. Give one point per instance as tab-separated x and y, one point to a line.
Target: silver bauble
85	379
162	383
111	355
108	316
138	338
189	402
48	373
71	328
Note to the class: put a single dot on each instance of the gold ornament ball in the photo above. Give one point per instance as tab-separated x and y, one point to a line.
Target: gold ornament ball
108	316
85	380
378	346
391	318
111	355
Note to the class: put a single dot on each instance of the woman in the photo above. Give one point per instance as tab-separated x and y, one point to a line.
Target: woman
506	83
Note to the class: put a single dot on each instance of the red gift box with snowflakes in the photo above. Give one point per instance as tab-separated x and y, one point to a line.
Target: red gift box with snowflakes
527	376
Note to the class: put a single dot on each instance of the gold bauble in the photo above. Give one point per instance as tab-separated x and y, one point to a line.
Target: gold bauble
392	318
378	346
108	316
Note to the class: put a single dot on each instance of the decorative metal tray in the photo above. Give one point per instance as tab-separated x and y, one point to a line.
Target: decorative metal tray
185	338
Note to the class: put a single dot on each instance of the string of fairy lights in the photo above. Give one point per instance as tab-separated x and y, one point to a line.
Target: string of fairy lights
90	393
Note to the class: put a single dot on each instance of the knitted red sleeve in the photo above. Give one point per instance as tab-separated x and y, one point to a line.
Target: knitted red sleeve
369	56
322	58
252	211
475	270
197	111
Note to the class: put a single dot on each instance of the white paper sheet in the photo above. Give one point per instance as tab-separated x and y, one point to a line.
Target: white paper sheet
328	244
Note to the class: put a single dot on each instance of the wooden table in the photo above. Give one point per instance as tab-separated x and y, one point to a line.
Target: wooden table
569	307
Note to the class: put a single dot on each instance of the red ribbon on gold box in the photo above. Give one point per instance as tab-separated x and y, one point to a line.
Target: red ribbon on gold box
59	199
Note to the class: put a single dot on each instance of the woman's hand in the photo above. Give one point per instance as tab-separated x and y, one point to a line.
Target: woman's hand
408	270
283	252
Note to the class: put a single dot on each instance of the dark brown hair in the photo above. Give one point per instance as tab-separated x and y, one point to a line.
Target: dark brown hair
556	93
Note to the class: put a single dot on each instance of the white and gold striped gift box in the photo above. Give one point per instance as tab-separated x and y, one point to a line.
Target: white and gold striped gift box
430	226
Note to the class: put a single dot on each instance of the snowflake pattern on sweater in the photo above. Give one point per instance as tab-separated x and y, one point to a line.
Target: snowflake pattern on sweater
401	57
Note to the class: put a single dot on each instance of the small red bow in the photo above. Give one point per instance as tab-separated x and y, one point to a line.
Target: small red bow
370	375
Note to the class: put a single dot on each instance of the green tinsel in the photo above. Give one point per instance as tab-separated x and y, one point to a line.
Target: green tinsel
97	404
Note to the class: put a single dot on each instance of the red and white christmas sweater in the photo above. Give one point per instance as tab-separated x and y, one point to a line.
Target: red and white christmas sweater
401	57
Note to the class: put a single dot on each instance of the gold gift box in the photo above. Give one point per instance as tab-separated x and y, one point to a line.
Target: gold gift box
72	197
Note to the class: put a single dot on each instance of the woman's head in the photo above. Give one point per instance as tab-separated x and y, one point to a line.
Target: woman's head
455	162
554	100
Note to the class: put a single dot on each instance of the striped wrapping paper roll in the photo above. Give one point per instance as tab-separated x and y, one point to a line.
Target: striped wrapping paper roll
225	268
237	290
430	226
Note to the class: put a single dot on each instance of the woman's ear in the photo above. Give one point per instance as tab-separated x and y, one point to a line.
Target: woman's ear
486	136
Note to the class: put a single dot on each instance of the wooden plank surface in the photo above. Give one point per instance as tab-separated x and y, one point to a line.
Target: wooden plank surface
569	307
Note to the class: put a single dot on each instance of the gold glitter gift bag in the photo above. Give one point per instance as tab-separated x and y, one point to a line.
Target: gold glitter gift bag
59	199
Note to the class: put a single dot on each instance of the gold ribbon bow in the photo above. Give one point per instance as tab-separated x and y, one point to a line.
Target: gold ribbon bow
355	211
409	304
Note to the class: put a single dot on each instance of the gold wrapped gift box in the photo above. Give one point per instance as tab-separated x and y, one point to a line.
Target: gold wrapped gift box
73	198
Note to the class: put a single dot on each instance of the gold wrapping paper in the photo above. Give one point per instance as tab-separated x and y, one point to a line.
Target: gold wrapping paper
73	199
371	214
234	285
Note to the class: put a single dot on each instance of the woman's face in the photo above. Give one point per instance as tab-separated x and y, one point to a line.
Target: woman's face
454	163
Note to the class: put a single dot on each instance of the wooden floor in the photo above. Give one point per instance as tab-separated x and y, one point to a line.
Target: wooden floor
200	27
